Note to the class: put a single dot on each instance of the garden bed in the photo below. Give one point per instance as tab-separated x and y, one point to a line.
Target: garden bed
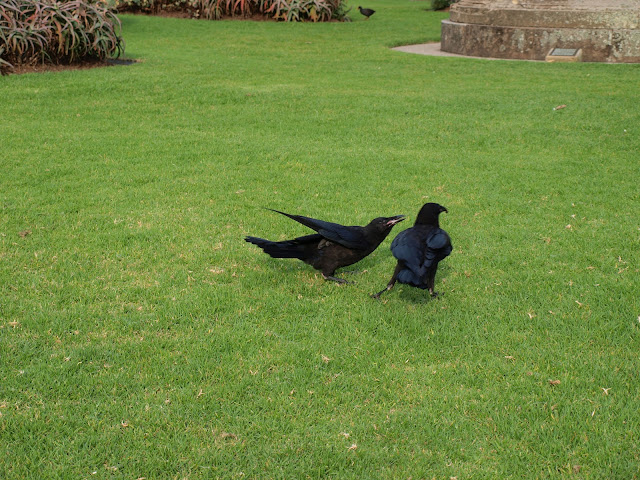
280	10
75	33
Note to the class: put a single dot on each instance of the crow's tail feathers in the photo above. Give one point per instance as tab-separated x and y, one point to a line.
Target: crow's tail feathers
286	249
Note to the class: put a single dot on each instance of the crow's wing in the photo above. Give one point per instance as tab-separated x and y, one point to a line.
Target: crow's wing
421	247
350	237
408	247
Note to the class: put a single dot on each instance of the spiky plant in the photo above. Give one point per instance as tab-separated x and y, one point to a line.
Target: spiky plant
285	10
49	31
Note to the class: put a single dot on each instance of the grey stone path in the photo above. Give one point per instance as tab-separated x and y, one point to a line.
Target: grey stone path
434	50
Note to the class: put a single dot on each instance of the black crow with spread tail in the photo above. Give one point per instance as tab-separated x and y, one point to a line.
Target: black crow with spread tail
333	247
419	249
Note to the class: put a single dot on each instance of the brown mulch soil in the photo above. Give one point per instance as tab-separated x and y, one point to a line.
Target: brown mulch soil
83	65
160	13
44	67
256	17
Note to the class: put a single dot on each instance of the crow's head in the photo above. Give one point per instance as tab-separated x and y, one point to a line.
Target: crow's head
428	214
384	224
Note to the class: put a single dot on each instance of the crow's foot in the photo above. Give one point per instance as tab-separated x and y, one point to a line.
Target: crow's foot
386	289
335	279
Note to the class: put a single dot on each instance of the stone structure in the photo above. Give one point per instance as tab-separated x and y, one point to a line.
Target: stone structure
605	30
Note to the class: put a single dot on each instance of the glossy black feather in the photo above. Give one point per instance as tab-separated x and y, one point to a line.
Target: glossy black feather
350	237
419	250
333	247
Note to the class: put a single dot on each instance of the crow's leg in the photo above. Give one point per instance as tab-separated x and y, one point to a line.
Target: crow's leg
391	283
431	280
334	279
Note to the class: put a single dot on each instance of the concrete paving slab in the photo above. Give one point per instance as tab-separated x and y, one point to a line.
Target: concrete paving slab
433	49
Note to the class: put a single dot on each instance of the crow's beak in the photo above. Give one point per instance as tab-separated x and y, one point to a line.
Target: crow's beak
445	210
393	220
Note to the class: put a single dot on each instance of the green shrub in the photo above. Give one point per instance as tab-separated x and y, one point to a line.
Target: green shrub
441	4
48	31
286	10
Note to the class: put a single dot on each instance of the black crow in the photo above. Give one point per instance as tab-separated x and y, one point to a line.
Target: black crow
367	12
419	249
333	247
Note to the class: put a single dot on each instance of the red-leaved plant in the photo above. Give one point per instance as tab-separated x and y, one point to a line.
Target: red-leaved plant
286	10
49	31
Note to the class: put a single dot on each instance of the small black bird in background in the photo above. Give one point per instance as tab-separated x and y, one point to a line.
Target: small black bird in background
333	247
419	249
367	12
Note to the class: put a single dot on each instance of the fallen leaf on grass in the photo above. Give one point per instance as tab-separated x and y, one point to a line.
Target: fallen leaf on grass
353	447
228	436
509	357
560	107
24	233
554	382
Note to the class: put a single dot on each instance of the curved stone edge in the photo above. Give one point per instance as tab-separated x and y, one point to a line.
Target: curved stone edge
548	17
531	43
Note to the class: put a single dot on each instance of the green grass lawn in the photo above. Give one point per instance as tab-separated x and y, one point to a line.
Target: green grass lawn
140	336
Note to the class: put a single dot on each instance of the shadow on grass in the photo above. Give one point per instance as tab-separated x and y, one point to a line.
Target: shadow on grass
282	266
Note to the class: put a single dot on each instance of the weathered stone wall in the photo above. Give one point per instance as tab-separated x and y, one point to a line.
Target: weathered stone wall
605	30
